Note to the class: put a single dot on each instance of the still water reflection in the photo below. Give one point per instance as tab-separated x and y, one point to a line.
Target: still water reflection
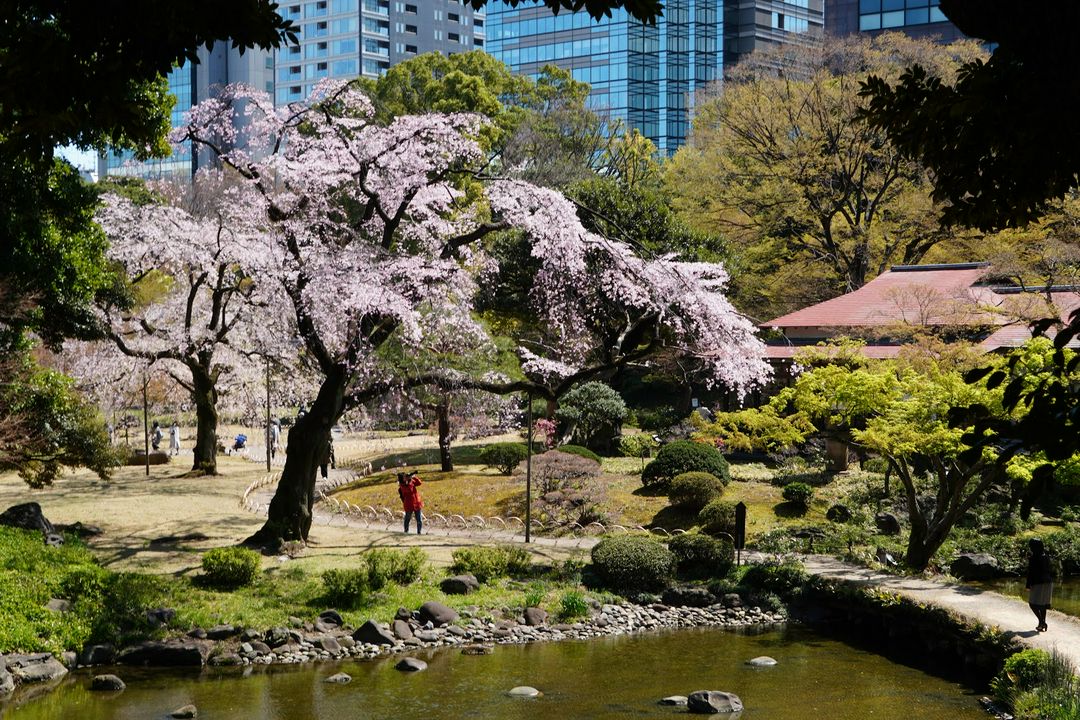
1066	592
619	677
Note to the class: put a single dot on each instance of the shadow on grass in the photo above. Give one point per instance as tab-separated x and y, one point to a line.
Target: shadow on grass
674	517
460	454
789	510
650	491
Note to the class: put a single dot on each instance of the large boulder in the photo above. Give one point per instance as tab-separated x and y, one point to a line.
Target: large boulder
710	702
975	566
838	513
191	653
7	682
437	614
98	655
688	596
27	516
373	633
34	668
887	523
535	617
402	630
459	585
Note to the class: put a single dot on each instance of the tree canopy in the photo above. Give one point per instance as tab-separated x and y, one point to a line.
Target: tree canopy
816	200
999	137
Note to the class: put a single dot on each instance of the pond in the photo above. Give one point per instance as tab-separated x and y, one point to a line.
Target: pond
1066	592
616	677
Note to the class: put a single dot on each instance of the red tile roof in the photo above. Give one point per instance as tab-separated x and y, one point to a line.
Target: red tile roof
924	295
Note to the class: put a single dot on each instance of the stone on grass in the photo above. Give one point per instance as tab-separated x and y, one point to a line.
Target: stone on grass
711	702
27	516
222	632
192	653
329	644
524	691
887	523
688	596
459	585
107	683
58	605
410	664
437	614
331	617
761	661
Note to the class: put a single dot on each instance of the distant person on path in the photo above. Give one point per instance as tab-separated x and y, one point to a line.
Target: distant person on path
155	436
410	499
275	437
1040	582
174	439
328	458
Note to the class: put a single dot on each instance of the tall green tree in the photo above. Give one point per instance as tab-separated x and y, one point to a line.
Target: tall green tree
818	201
998	135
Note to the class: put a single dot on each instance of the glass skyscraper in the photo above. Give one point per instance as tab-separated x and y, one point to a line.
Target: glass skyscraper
646	75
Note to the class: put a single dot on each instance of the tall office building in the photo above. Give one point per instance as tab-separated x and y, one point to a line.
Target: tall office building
336	38
191	84
363	38
917	18
646	75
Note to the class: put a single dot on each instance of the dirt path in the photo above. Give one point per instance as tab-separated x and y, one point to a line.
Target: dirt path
162	523
1010	615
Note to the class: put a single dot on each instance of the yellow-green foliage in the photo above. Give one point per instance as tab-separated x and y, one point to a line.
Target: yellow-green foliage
755	429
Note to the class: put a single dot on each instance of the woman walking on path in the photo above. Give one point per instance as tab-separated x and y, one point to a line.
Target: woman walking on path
1040	582
410	499
174	439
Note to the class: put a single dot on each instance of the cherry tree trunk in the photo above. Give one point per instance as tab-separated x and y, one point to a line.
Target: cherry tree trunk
204	395
290	513
923	543
442	415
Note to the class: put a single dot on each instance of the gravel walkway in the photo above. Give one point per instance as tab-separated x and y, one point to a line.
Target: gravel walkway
1010	615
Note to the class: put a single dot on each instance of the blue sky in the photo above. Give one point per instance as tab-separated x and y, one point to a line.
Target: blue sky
82	159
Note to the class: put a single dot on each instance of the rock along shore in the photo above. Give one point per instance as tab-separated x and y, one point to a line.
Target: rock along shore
433	625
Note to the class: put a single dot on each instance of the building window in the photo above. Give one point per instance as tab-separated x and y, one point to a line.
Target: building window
411	29
453	17
410	49
478	22
411	9
478	42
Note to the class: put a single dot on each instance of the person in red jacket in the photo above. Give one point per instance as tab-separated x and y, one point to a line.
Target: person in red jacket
410	499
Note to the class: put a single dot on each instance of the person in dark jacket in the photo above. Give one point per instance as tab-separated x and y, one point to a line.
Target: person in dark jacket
1040	582
410	499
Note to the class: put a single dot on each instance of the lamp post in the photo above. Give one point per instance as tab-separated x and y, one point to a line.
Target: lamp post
146	420
267	357
528	467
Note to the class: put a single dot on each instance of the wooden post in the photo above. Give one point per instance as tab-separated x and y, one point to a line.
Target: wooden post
740	530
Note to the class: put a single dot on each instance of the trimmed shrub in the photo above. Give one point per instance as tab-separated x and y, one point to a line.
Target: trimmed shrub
717	517
345	588
567	489
487	563
701	557
579	451
799	493
1022	671
633	563
504	456
780	578
229	568
695	489
385	565
683	456
594	413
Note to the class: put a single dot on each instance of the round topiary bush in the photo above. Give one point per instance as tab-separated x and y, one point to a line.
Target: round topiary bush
504	456
717	517
633	563
579	451
695	489
230	567
799	493
683	456
701	557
